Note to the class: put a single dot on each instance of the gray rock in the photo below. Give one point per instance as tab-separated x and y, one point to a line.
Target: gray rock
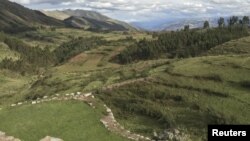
48	138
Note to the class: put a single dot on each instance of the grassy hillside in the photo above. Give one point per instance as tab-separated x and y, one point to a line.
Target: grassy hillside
187	95
184	94
89	20
15	15
70	121
6	52
240	46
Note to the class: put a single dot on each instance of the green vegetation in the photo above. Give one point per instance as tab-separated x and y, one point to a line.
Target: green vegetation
76	46
181	44
7	53
185	94
172	91
71	121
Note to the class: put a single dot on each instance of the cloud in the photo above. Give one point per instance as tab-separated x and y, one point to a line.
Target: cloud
146	10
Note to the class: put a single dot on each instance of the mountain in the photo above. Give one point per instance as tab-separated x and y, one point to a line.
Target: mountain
15	17
88	20
193	23
174	24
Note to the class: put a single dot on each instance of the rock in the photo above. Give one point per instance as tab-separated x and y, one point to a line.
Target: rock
9	138
33	102
91	104
4	137
45	97
67	94
78	93
57	94
155	134
109	110
88	94
2	133
19	103
176	131
48	138
13	105
170	136
93	96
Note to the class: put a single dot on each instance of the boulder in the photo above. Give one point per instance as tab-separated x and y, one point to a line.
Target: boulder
48	138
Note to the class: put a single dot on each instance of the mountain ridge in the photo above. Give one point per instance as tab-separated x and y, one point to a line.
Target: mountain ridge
88	20
15	17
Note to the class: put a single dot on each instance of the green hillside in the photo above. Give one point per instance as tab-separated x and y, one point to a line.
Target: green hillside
169	82
16	18
89	20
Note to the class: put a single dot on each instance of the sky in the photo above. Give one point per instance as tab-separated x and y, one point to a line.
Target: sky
148	10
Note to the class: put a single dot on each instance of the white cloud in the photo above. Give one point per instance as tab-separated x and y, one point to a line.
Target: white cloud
143	10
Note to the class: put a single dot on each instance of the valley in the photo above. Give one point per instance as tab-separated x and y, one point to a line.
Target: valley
143	85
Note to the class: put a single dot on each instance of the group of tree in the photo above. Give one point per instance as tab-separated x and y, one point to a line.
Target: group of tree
33	58
185	43
76	46
30	59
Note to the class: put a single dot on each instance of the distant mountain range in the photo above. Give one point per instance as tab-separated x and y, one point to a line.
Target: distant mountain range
175	24
17	18
88	20
14	17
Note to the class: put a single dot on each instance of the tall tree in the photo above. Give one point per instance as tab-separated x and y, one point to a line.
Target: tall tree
245	20
206	24
221	22
186	28
233	20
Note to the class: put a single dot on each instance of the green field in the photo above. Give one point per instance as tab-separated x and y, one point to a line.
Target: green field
70	121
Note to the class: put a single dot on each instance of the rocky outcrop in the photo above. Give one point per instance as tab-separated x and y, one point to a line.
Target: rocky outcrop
48	138
171	135
4	137
112	125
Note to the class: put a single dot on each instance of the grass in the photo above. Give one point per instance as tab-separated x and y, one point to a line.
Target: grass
5	52
190	94
240	46
186	94
70	121
11	86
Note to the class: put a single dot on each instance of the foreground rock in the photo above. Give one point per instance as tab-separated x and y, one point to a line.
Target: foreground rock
4	137
48	138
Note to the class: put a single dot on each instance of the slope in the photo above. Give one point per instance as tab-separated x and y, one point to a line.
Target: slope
14	17
88	19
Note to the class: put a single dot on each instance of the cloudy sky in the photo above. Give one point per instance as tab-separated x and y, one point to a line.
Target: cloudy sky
148	10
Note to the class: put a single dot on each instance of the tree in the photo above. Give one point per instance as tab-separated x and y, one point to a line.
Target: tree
233	20
245	20
186	28
206	25
221	22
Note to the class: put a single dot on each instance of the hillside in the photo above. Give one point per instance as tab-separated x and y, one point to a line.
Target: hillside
88	20
14	17
81	85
